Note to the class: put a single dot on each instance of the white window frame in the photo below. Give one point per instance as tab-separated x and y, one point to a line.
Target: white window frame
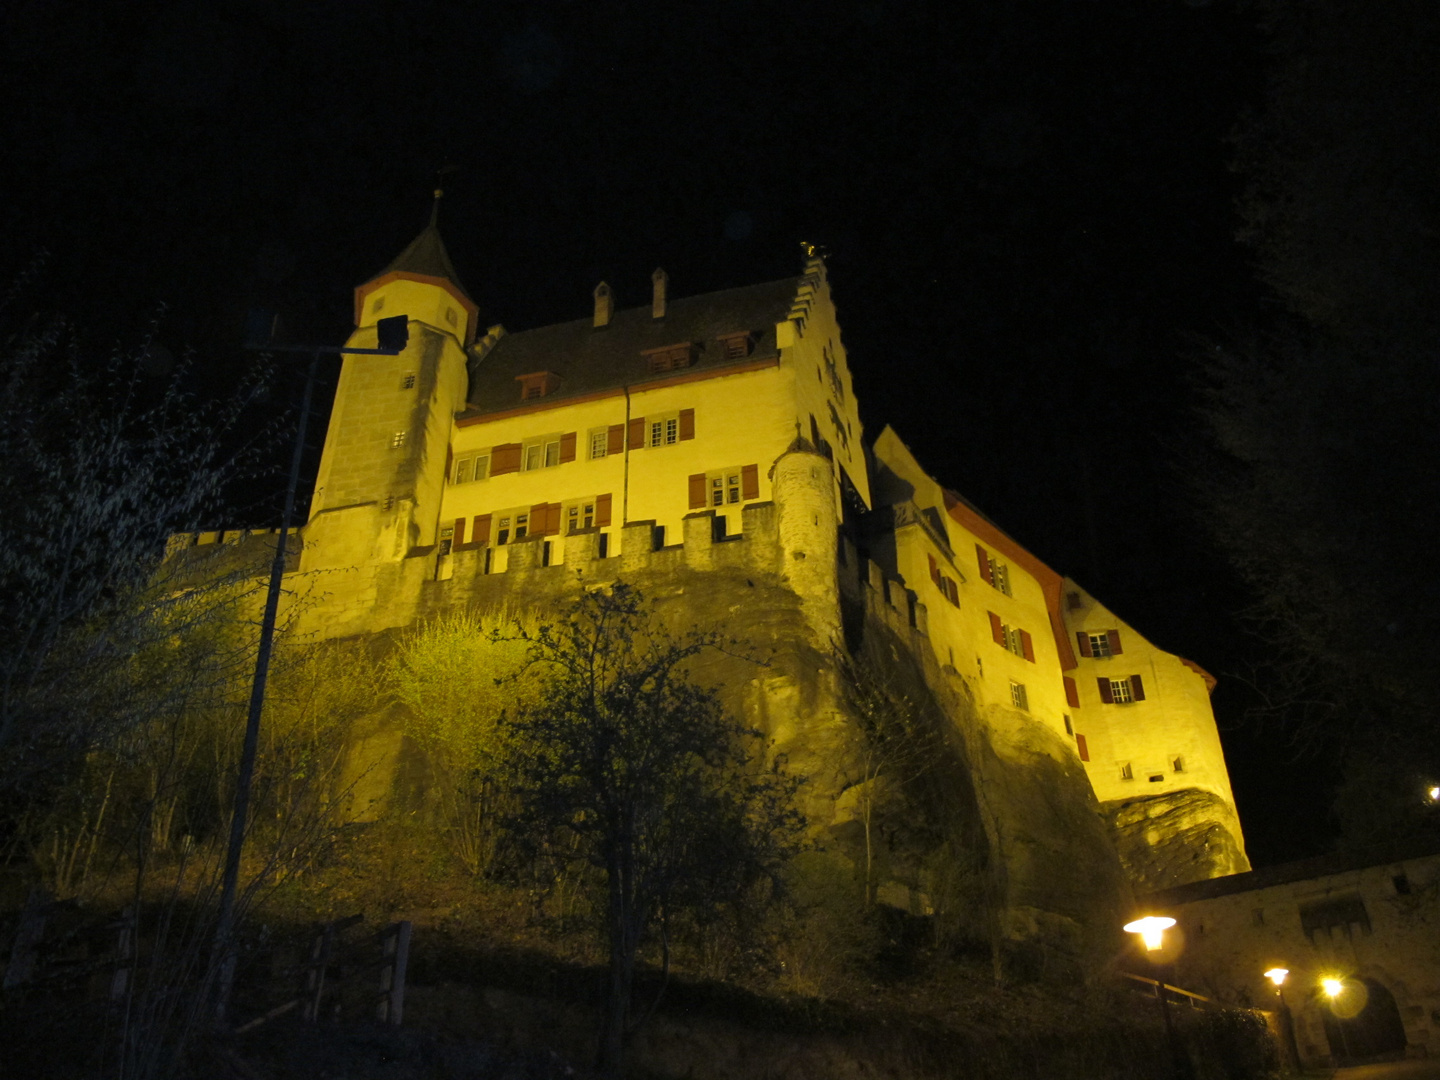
541	453
471	467
511	526
1018	697
599	443
662	430
1099	645
726	484
577	514
1121	692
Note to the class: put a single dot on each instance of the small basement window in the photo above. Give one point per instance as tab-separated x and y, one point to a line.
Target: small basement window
1157	778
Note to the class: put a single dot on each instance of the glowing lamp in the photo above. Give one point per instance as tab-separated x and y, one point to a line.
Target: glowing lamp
1333	987
1151	929
1435	794
1277	975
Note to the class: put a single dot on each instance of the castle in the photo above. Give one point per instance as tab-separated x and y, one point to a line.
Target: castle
710	449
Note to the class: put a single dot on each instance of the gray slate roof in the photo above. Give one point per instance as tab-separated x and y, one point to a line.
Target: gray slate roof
590	359
426	255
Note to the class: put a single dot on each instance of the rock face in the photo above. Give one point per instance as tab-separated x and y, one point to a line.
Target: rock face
1001	823
1175	838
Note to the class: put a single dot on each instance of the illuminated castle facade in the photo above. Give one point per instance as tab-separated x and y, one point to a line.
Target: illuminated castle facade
712	446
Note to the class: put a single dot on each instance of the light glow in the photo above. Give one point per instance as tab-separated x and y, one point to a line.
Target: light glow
1435	794
1277	975
1333	987
1151	929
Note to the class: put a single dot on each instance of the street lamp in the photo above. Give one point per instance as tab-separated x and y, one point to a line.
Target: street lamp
1287	1022
1151	930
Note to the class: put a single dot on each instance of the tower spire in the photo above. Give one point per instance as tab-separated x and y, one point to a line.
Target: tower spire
435	208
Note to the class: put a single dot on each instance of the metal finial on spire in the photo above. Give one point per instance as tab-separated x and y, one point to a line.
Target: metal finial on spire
435	207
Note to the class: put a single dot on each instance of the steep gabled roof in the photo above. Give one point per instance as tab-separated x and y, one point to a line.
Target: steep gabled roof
592	360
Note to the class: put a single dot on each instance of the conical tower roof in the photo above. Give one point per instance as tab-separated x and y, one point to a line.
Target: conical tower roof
426	260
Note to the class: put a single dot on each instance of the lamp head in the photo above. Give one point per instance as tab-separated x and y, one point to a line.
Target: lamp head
1332	986
1277	975
1151	930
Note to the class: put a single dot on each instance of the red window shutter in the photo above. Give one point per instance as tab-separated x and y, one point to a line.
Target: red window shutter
567	446
537	519
1137	688
1083	640
450	463
636	437
1106	695
480	534
1072	693
615	439
1080	745
459	532
687	424
602	510
934	570
997	629
750	481
983	557
1114	636
1026	646
697	491
552	518
505	459
952	591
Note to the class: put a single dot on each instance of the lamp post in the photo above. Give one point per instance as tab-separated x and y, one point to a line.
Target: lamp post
392	336
1287	1022
1151	930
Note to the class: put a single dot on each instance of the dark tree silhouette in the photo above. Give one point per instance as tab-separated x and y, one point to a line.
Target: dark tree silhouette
1328	465
639	771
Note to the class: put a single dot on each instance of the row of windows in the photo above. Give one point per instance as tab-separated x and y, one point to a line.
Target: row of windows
502	527
547	451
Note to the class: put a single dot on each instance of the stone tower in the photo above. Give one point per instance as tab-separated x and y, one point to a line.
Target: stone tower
383	470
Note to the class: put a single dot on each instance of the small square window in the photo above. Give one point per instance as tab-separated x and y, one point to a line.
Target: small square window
1099	644
1127	771
1120	691
407	381
1177	764
397	440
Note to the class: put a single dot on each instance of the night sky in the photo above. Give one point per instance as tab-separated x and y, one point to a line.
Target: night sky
1027	208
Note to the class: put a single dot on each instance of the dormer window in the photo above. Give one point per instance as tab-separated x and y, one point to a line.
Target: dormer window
537	384
670	358
736	346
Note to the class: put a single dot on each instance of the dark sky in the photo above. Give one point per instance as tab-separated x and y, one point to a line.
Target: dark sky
1027	208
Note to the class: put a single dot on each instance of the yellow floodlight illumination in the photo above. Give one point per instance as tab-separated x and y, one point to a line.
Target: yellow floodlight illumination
1332	986
1277	975
1151	929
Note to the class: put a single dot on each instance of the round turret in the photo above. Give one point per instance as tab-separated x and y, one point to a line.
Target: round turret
805	501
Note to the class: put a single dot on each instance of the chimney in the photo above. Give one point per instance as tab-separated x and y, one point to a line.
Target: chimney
604	305
657	305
